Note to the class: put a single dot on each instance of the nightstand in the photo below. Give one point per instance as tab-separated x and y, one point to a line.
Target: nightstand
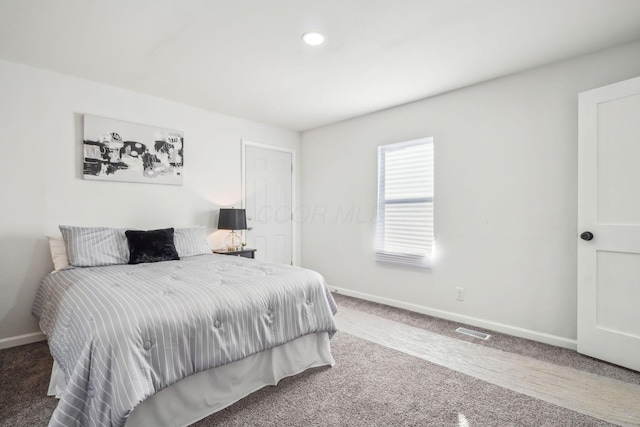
245	253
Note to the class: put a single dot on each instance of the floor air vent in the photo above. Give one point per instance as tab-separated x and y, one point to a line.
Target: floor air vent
473	333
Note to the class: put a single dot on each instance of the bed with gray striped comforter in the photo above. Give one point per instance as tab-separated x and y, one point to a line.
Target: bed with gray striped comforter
122	333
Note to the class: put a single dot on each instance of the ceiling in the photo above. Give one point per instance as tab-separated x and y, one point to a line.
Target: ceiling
245	57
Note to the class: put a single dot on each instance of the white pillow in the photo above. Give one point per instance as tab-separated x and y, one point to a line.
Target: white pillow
58	253
190	241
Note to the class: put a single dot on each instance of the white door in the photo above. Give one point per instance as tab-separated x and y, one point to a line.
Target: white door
609	209
268	184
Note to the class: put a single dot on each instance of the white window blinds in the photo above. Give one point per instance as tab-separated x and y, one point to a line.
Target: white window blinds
404	233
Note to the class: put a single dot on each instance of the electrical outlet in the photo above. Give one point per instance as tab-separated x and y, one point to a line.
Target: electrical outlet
460	294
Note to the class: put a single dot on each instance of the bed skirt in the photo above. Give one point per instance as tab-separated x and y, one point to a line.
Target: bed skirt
204	393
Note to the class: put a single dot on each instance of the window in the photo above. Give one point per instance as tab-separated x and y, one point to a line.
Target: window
404	232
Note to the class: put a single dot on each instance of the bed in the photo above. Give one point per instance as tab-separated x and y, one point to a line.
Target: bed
169	342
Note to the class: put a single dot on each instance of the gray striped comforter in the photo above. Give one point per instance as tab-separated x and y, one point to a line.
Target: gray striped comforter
121	333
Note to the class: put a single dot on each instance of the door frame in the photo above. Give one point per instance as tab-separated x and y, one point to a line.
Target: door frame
294	186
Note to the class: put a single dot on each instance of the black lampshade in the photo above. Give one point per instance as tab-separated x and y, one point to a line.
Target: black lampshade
232	219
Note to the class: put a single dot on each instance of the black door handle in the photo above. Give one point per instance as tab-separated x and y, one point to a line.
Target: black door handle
587	235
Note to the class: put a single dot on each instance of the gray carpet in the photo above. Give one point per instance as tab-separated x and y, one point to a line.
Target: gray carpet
24	379
370	385
522	346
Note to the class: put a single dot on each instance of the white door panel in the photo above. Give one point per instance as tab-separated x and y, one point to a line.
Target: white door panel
618	174
609	208
617	273
268	202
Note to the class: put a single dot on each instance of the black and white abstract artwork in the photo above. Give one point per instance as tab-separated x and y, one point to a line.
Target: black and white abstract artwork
115	150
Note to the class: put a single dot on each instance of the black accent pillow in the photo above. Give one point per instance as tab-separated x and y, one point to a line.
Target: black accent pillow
151	246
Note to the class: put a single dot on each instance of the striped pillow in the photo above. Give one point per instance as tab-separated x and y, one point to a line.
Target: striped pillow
95	246
191	241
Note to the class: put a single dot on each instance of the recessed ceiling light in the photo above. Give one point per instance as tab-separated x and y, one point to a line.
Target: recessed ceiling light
313	38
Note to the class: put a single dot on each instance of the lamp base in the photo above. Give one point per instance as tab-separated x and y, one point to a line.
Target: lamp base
233	242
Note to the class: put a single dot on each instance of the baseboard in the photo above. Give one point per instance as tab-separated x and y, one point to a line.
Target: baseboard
480	323
21	340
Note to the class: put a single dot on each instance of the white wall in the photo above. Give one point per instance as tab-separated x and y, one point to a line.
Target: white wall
505	198
41	183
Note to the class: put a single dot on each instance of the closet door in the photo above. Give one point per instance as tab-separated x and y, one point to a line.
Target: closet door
268	186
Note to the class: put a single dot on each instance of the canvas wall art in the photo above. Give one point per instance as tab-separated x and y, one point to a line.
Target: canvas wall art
115	150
